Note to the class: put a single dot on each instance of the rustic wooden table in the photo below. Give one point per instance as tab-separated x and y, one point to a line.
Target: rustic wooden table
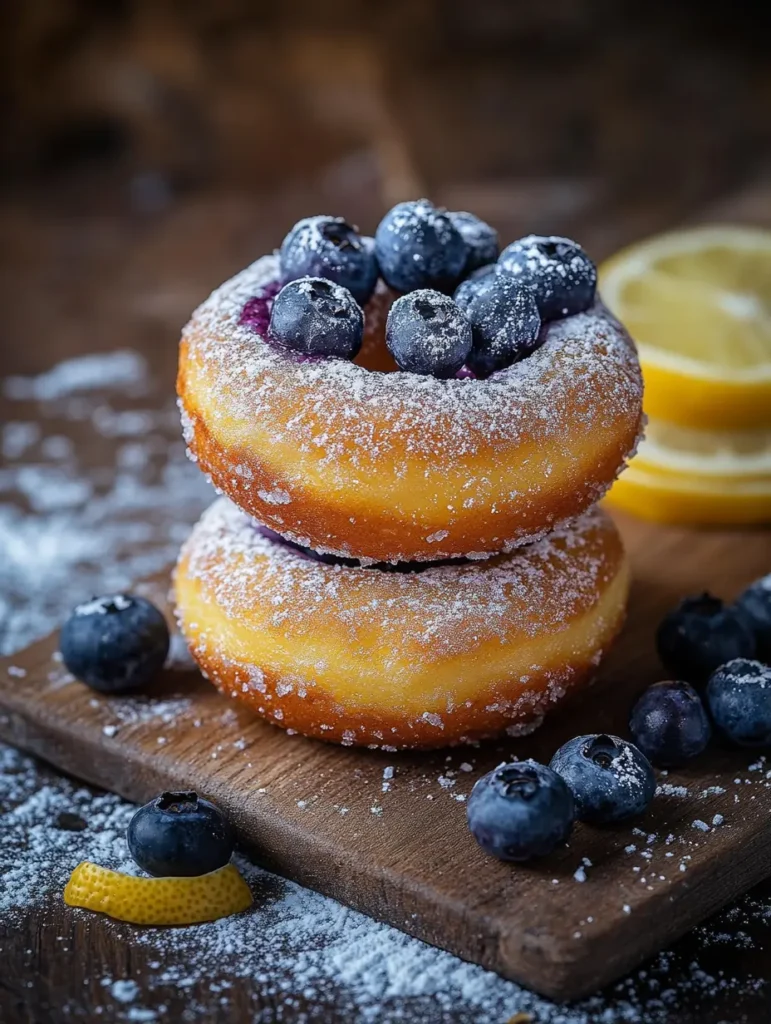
642	128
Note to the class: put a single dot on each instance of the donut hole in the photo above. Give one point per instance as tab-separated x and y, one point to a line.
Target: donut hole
374	355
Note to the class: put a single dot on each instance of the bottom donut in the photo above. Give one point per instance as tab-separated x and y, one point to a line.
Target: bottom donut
399	659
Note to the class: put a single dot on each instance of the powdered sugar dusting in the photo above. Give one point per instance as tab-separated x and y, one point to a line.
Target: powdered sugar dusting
626	769
275	497
452	607
416	623
250	371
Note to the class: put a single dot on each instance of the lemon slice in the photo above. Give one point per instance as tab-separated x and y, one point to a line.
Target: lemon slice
698	303
696	501
724	456
158	901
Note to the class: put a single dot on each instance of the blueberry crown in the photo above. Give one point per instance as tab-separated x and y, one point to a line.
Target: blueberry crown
458	306
177	803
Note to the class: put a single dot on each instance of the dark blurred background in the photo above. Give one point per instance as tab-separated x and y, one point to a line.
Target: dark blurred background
151	147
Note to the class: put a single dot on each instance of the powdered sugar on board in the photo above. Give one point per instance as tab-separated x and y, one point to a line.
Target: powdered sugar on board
121	369
308	955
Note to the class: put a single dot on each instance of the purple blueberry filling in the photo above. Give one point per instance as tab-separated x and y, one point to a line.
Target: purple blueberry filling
354	563
466	373
256	311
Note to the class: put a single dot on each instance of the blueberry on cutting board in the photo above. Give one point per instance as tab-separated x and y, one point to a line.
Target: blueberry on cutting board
754	604
739	698
701	634
520	810
115	644
669	723
611	780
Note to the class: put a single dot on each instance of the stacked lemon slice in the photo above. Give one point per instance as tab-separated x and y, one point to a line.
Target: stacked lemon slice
699	305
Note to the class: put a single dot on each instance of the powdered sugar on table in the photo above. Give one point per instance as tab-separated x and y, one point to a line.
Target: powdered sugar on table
304	953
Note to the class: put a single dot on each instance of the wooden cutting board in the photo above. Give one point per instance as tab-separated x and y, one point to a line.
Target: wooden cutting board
386	833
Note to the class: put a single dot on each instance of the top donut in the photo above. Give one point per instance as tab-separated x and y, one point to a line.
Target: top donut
410	397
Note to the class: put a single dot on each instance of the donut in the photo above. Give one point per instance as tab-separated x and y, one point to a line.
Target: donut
394	466
428	656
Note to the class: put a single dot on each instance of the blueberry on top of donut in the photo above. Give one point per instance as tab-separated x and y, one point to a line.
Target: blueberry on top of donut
315	317
558	270
505	324
418	246
481	240
330	247
477	281
426	332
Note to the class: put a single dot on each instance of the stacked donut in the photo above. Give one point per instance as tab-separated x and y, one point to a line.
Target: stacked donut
410	435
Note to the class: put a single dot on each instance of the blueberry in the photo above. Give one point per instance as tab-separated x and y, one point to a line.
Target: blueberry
331	248
505	325
418	246
558	270
427	333
476	282
481	240
115	644
520	810
669	723
755	607
609	777
179	834
739	698
701	634
317	318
